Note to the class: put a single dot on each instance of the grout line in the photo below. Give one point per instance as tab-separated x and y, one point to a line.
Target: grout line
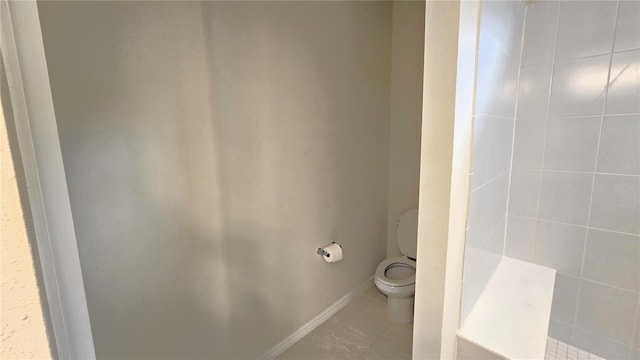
576	172
488	238
572	59
386	329
589	172
513	132
636	331
632	292
562	322
485	166
593	181
495	41
362	352
579	353
598	283
561	117
576	225
588	57
636	327
490	181
499	117
626	50
595	334
532	245
546	127
609	285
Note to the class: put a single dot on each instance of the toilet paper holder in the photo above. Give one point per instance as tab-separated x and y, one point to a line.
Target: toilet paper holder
323	253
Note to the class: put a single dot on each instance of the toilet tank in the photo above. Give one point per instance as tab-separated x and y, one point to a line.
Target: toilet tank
407	233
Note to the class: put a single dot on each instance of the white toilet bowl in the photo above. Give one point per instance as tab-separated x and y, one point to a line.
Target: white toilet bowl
396	276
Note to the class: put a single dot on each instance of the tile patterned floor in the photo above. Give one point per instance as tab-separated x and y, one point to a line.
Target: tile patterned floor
557	350
360	330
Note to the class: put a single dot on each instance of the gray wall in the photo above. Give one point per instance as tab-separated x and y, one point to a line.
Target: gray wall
575	186
209	149
501	25
405	125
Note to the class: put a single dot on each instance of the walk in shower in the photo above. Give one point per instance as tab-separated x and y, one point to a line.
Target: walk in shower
556	164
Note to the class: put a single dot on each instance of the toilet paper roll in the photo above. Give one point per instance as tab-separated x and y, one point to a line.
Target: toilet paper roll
333	253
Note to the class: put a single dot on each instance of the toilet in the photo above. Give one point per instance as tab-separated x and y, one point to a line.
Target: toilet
396	276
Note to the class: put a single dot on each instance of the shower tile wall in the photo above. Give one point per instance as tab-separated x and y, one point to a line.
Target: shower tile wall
498	58
574	198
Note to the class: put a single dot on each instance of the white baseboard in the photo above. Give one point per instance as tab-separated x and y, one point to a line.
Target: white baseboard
315	322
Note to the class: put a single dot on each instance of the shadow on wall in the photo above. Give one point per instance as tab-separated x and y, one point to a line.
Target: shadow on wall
202	178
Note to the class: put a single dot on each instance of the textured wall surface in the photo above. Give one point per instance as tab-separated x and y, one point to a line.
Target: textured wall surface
209	150
23	333
405	117
574	200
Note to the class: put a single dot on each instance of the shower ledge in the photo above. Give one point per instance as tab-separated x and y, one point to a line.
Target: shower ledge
511	317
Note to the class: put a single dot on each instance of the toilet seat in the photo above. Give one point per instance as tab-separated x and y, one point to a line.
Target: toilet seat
398	261
399	288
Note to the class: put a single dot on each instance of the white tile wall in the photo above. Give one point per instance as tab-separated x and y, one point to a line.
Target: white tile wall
559	246
499	56
495	241
565	298
522	232
501	140
540	35
577	133
624	84
487	206
574	191
579	85
572	143
619	150
607	311
500	19
480	151
529	143
533	95
636	341
615	205
604	246
501	27
524	192
628	26
561	331
565	197
491	58
585	30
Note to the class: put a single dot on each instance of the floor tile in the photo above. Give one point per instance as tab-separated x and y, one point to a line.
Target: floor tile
361	331
361	322
557	350
395	343
321	343
375	294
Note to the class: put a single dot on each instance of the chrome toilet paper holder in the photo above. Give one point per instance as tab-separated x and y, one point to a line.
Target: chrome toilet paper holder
323	253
